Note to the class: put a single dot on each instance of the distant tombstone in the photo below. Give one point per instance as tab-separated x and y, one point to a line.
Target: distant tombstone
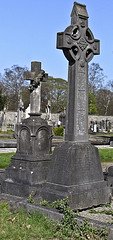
103	124
62	118
100	126
95	127
76	170
91	126
109	125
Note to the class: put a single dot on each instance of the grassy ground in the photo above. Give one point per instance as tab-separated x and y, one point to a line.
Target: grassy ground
5	159
25	226
106	155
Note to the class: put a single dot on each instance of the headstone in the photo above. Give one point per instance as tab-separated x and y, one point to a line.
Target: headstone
100	126
62	118
76	170
29	166
91	126
95	127
103	125
109	126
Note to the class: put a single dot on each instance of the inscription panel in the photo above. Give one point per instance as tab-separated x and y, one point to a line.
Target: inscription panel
82	100
25	141
81	125
42	141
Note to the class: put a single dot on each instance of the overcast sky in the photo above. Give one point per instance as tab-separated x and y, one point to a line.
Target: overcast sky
28	31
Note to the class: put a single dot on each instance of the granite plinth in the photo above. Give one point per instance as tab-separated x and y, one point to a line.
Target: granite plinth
25	177
76	173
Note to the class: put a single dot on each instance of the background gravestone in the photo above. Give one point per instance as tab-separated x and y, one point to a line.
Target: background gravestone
29	166
75	169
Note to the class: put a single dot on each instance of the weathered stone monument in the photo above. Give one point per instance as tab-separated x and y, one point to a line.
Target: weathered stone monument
76	171
20	110
4	124
36	76
48	113
29	167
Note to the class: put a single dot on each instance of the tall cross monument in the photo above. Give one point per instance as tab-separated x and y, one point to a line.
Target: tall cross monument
76	170
79	46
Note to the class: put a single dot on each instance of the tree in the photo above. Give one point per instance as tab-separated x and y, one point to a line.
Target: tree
97	91
55	90
92	106
13	83
104	98
3	99
96	77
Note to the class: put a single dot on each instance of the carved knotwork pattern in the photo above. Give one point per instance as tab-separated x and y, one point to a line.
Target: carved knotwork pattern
82	44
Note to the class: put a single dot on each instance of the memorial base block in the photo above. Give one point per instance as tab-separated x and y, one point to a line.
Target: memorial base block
76	173
24	178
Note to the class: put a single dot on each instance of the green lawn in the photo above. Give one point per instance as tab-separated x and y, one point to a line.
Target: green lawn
106	154
23	226
5	159
34	226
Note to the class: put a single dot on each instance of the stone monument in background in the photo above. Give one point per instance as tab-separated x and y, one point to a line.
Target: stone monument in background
75	169
20	110
4	124
29	166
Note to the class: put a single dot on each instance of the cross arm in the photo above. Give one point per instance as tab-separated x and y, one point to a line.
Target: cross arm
28	75
64	39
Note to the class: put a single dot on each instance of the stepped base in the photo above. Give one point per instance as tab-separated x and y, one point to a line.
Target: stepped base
76	173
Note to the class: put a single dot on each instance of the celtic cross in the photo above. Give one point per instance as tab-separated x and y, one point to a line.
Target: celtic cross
36	76
79	47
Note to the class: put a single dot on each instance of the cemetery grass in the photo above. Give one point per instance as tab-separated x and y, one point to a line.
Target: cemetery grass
5	159
106	155
21	225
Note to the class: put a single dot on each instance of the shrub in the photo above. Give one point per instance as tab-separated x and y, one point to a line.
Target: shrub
58	131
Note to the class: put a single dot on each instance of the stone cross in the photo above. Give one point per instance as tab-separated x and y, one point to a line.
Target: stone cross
36	76
79	47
